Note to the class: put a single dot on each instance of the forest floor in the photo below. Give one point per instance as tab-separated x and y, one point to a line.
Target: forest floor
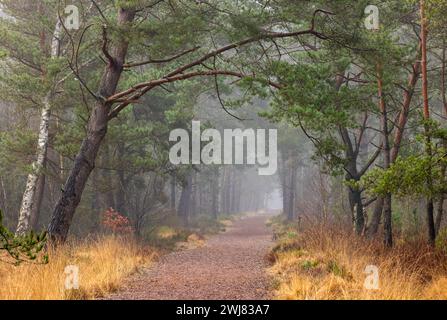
230	265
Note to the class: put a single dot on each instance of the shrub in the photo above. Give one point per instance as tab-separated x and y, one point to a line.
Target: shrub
115	222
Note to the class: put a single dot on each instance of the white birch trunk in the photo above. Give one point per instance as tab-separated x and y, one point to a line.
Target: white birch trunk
42	146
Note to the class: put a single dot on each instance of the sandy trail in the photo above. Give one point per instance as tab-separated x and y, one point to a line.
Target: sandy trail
231	265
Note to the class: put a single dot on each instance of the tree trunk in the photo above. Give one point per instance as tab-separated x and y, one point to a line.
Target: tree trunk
185	201
398	135
387	221
193	205
431	222
35	211
355	200
228	192
376	217
96	131
284	187
387	211
355	196
439	215
232	192
214	194
30	196
223	192
405	110
291	197
173	186
237	205
430	205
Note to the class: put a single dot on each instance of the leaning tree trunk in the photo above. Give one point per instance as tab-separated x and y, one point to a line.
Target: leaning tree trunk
96	131
30	195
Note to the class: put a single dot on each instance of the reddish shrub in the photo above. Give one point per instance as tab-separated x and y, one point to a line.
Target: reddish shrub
115	222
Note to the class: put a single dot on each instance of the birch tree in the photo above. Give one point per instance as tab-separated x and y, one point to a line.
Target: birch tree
29	196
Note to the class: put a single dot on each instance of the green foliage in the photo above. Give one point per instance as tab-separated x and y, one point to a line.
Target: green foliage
408	176
22	248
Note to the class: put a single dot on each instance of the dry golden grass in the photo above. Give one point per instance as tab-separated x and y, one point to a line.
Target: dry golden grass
328	263
226	222
166	232
103	264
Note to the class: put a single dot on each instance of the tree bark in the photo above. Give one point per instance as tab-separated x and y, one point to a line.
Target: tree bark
430	206
376	217
35	211
355	200
96	130
30	195
387	210
355	196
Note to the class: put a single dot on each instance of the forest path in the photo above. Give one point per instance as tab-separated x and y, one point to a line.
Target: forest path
230	265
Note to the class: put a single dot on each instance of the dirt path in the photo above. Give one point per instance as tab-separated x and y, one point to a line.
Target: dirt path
231	265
